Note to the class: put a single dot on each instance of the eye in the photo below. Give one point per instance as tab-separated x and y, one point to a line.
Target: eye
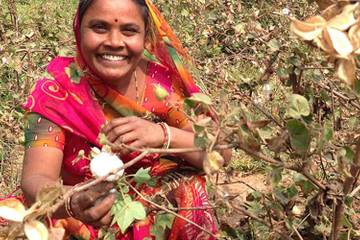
130	31
98	28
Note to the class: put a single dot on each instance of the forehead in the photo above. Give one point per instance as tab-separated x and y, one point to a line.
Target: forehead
108	10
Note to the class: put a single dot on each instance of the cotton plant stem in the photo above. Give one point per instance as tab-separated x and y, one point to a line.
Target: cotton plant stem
247	213
355	191
171	212
348	186
82	187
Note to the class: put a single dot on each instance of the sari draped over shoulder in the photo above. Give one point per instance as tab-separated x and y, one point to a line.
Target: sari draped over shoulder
81	108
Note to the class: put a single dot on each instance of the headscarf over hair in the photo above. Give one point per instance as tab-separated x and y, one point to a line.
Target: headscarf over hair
166	49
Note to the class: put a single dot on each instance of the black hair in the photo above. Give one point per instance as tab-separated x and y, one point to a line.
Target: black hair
85	4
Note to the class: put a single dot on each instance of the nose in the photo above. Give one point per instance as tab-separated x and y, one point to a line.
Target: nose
114	40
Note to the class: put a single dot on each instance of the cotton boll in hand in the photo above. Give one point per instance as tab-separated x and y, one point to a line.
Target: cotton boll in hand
104	163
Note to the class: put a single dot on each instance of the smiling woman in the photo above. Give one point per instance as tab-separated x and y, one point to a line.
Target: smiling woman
109	88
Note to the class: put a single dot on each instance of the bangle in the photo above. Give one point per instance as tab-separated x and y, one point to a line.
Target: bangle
167	135
68	207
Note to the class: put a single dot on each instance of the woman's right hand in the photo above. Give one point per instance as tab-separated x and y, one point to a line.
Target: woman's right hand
93	206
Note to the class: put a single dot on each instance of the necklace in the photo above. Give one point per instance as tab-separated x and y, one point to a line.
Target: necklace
136	88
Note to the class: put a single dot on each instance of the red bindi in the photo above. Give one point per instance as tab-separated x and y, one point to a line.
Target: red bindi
116	20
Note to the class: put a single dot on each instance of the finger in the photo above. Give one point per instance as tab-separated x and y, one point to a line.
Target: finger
115	123
127	138
87	199
118	131
136	144
104	221
102	207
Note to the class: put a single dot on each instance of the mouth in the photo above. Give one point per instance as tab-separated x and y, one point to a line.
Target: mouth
113	57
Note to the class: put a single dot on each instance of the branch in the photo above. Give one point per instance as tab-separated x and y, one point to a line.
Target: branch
82	187
348	186
171	212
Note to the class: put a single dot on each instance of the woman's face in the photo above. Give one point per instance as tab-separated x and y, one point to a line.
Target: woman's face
113	38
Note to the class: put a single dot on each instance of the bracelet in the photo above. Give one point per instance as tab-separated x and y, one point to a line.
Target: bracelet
68	207
167	135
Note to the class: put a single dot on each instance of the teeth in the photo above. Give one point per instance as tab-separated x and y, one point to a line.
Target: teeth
113	58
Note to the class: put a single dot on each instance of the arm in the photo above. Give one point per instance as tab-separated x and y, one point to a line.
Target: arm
41	168
140	133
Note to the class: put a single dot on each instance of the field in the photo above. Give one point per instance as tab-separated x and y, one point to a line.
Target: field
288	168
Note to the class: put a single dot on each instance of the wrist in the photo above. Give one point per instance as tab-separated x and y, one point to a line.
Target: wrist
166	135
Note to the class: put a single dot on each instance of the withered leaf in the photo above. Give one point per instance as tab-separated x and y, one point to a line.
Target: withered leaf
323	4
36	230
354	36
339	40
213	162
12	209
344	20
346	70
308	29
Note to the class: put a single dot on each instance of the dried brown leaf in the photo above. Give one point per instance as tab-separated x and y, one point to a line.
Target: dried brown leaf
331	11
346	70
12	209
354	36
56	234
308	29
344	20
323	4
213	162
339	41
36	230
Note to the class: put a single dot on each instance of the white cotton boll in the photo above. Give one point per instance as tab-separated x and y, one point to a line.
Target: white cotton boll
286	12
105	163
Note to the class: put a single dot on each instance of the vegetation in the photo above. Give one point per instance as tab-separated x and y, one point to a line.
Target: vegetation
280	103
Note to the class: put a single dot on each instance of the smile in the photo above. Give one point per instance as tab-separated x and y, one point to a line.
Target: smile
113	58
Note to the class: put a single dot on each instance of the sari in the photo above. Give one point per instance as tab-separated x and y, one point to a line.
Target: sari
81	106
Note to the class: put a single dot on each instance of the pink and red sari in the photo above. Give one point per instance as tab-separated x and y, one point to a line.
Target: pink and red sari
79	107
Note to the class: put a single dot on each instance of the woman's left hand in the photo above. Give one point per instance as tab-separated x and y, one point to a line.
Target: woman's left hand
135	132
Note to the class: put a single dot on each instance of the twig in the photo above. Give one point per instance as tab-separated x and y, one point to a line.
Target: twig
297	233
247	213
165	151
171	212
82	187
355	191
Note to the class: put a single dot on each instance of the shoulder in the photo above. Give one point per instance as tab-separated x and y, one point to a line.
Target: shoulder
57	66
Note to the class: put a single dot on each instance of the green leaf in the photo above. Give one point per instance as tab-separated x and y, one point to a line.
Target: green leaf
162	222
306	186
126	212
200	98
276	176
274	45
142	176
201	141
298	106
326	135
292	192
299	136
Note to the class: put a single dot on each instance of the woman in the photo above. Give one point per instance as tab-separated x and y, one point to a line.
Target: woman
109	88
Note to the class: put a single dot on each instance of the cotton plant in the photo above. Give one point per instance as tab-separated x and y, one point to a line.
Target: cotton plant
336	31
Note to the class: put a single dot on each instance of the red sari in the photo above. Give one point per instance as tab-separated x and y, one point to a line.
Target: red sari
76	107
